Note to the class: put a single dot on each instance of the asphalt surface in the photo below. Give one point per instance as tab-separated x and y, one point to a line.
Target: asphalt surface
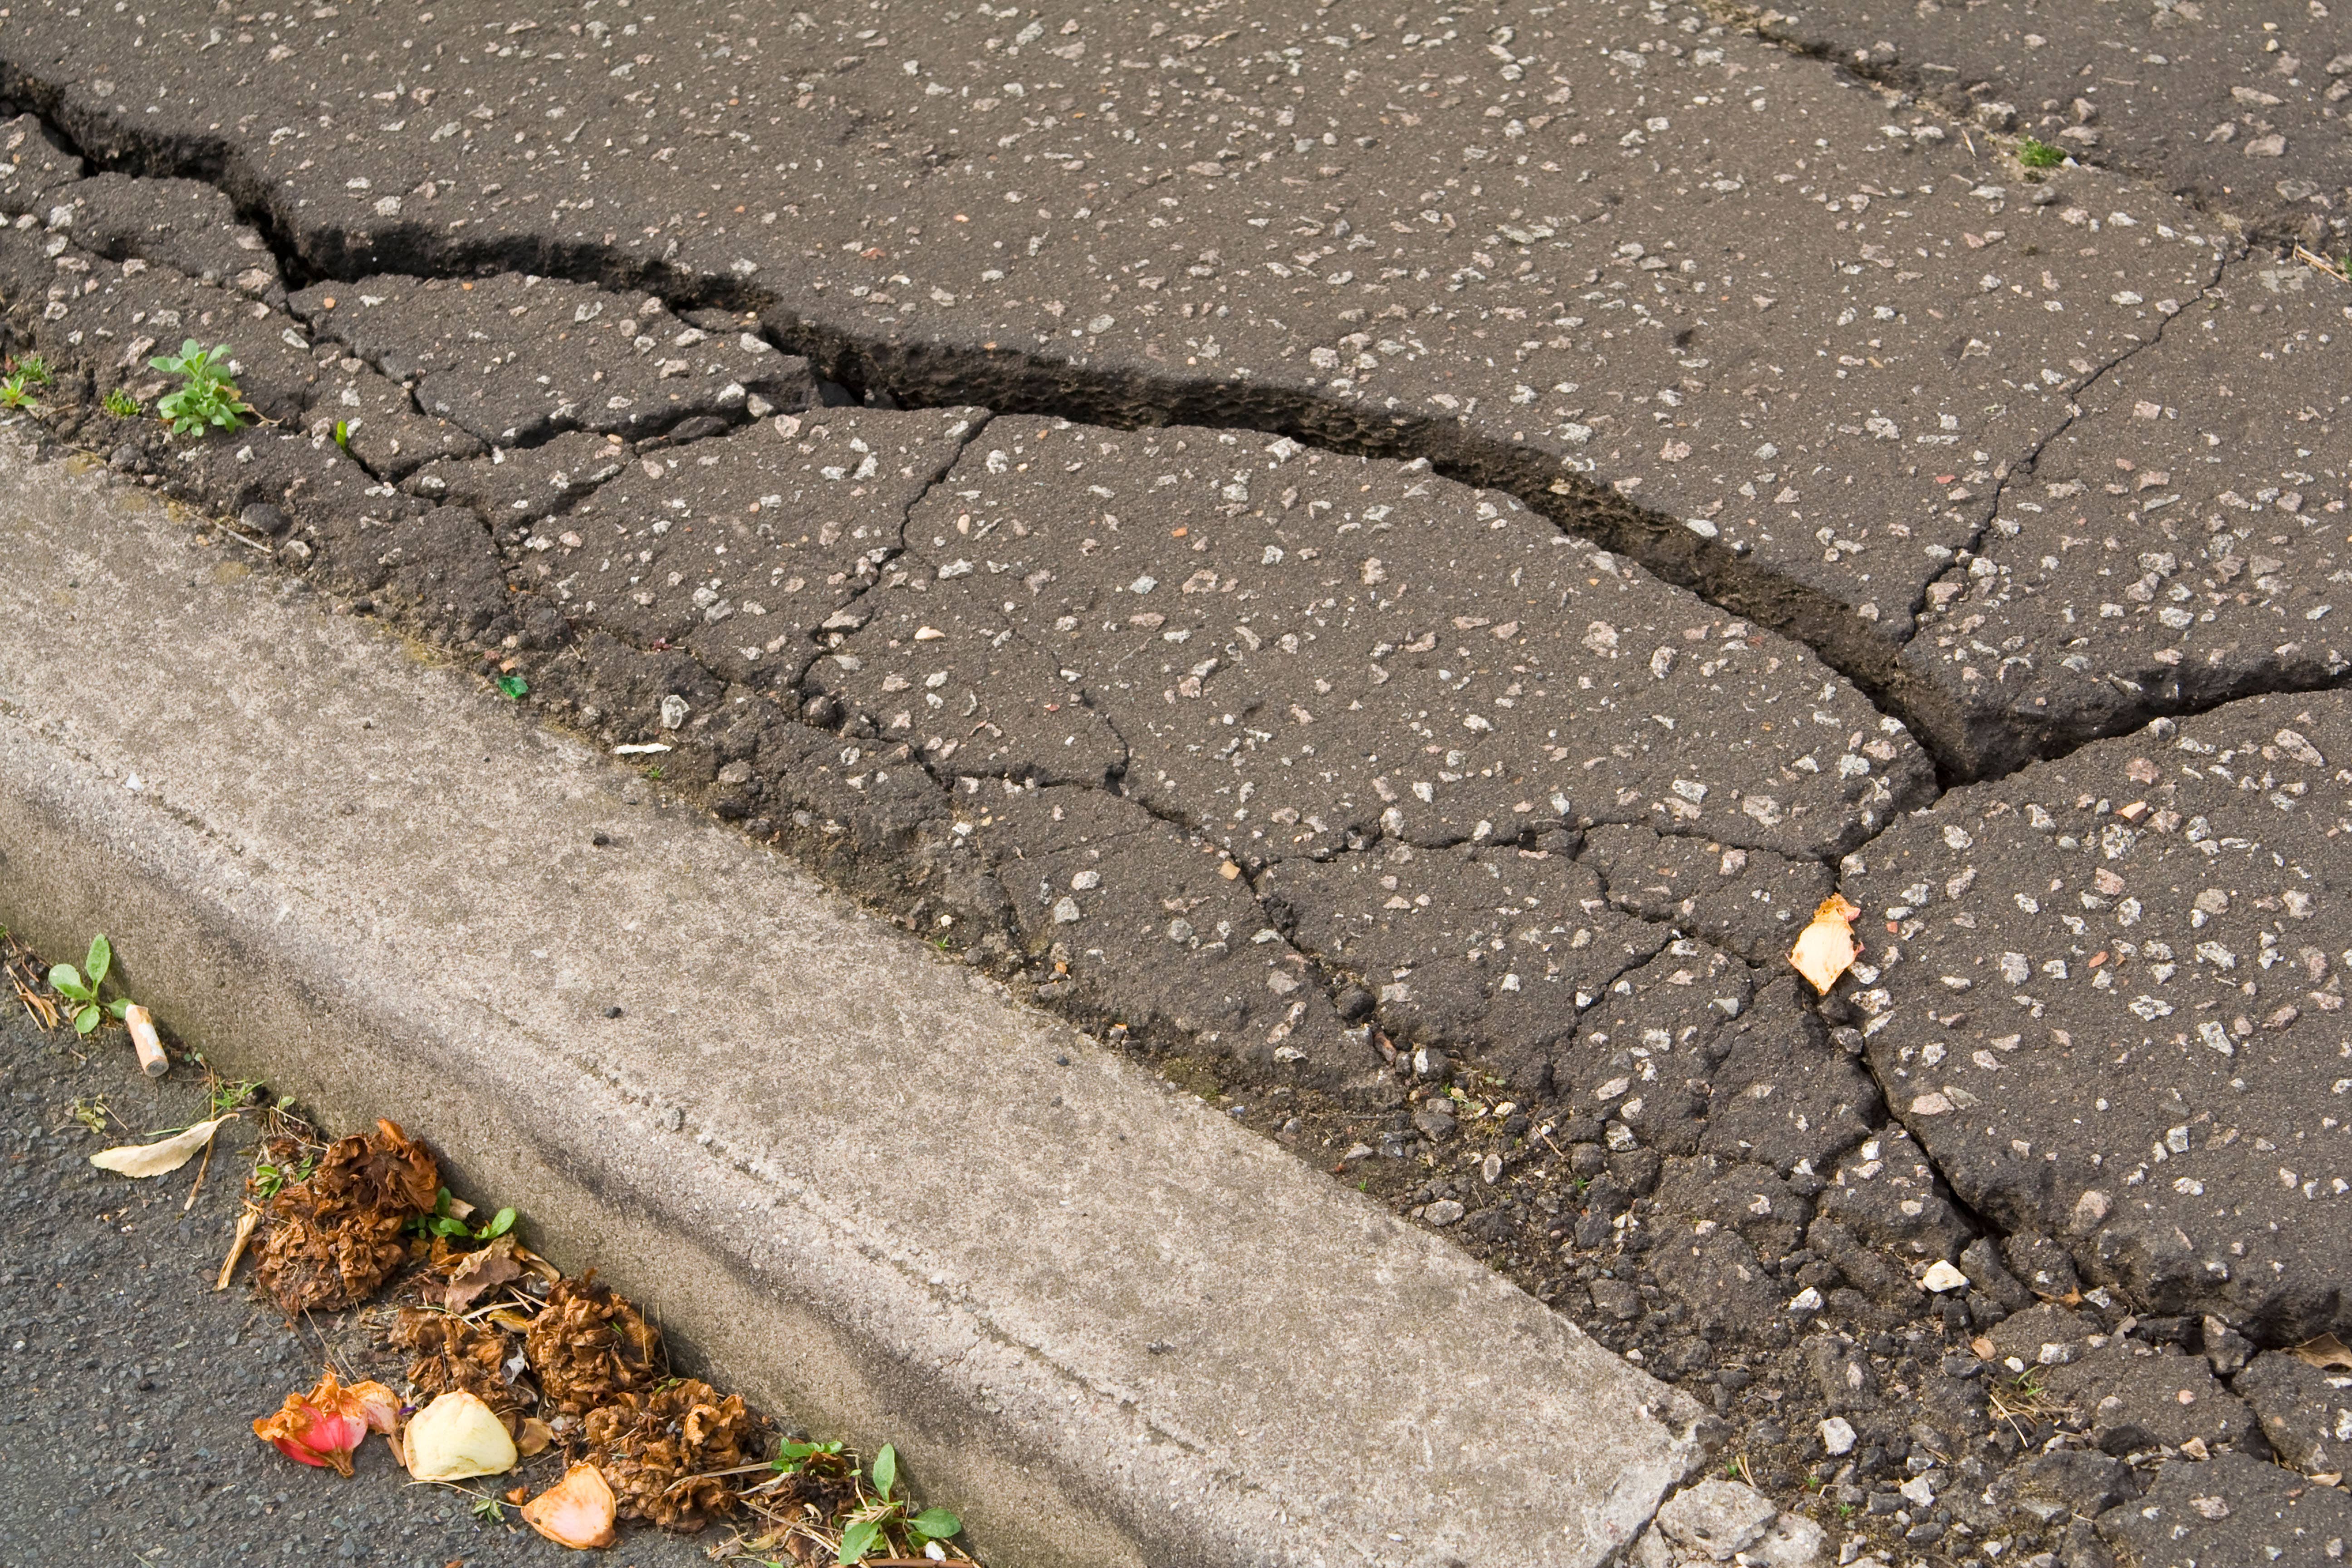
1389	568
133	1387
2237	104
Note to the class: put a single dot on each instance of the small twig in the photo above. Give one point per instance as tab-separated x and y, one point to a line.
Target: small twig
203	1167
2335	269
714	1475
43	1011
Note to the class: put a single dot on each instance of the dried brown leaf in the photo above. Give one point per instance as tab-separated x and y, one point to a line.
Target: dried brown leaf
656	1450
334	1238
452	1355
589	1347
2327	1350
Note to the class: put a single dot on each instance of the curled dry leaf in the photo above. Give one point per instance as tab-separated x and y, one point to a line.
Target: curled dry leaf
453	1354
589	1346
333	1238
534	1436
576	1511
650	1445
161	1157
1826	948
457	1436
324	1426
473	1273
2325	1351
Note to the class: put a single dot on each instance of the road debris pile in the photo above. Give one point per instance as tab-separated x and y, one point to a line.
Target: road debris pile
334	1237
507	1361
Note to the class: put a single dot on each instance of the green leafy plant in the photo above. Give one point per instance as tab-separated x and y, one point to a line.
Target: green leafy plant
91	1111
489	1510
2035	153
794	1458
343	434
206	397
225	1095
514	686
881	1506
16	392
120	403
81	989
36	370
268	1179
441	1223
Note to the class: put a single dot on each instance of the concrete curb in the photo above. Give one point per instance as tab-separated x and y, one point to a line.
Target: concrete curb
879	1197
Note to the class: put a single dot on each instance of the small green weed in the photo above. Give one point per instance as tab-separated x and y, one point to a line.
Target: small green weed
16	392
489	1510
441	1223
875	1515
81	989
514	687
91	1111
268	1179
206	397
343	434
223	1095
121	404
2035	153
794	1458
881	1519
36	370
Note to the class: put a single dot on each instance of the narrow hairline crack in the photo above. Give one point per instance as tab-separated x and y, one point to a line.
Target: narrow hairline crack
1754	22
2025	465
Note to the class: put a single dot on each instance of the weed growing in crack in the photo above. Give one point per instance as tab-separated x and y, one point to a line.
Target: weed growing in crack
206	397
2035	153
883	1509
120	403
35	371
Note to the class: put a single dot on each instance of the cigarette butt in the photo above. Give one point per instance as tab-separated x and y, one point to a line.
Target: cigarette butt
142	1024
245	1224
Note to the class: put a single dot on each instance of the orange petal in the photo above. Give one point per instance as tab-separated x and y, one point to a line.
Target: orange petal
576	1511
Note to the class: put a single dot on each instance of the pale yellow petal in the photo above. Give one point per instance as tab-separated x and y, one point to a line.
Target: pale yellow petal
1824	952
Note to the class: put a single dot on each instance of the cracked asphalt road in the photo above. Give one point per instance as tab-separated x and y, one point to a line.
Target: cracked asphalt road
1389	568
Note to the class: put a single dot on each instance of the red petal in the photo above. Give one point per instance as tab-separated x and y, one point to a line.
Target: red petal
296	1451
